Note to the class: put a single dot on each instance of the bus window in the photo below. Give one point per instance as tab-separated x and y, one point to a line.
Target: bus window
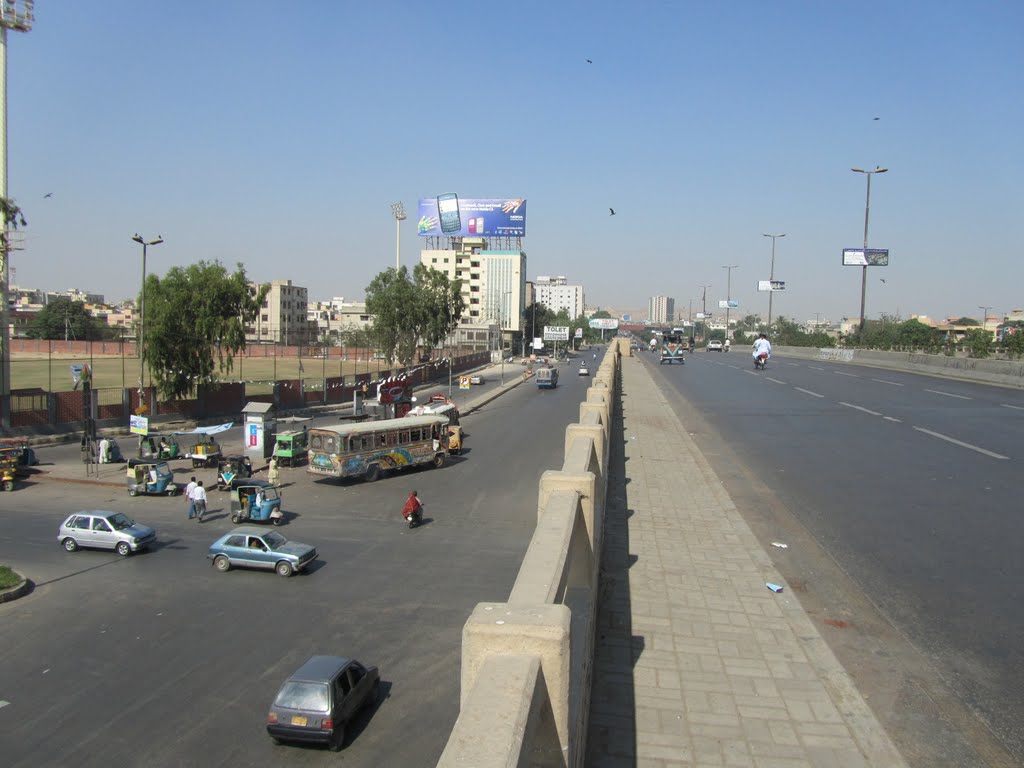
415	435
366	442
381	439
316	442
392	438
403	437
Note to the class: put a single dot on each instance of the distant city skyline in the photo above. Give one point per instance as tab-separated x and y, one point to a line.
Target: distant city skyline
702	126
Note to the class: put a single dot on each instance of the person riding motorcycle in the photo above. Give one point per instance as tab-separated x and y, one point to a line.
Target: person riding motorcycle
412	505
762	349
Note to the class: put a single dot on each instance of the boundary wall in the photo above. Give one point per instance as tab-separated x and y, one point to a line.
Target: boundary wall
527	663
1007	373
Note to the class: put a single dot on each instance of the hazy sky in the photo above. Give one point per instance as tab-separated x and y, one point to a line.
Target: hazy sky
278	133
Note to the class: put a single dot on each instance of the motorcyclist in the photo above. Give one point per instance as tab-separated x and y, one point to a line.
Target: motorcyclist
412	504
762	348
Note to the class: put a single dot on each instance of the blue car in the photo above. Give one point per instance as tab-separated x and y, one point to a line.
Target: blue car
251	547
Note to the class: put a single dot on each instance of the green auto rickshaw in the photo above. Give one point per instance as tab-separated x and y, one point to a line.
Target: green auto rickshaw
159	447
291	447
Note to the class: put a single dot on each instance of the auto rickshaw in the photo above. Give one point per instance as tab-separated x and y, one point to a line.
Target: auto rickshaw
114	455
7	471
152	478
231	467
206	453
455	435
159	447
291	447
244	506
24	454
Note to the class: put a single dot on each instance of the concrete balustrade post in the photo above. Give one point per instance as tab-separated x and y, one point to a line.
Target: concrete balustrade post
588	485
543	631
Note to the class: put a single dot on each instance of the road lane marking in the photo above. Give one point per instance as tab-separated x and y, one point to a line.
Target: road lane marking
815	368
807	391
777	381
860	408
948	394
851	375
893	383
4	704
892	418
1015	407
961	443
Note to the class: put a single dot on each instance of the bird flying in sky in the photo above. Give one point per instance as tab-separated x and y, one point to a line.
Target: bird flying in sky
611	211
882	279
48	194
877	118
589	61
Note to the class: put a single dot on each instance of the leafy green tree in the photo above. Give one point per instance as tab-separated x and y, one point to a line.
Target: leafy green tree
913	334
64	318
965	321
409	311
195	324
978	342
1013	342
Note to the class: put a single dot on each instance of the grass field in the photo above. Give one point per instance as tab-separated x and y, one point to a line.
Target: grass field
54	375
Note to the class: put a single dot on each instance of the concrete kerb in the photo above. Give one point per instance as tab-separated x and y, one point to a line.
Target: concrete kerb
18	590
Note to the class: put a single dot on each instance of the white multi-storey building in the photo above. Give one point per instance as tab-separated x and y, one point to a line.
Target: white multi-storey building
493	289
661	310
556	294
283	317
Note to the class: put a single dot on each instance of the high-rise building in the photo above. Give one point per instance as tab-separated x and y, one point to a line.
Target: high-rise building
661	310
493	289
556	294
283	318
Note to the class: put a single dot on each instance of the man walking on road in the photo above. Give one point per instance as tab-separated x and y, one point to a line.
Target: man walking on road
199	498
189	500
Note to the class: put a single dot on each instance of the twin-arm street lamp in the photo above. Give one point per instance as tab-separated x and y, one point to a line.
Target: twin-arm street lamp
867	210
140	338
771	277
728	293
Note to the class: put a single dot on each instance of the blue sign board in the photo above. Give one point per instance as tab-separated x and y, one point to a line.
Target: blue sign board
473	217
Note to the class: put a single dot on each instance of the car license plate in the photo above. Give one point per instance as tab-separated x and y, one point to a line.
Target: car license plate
298	720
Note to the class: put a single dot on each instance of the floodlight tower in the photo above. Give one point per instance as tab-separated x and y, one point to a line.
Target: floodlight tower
398	211
16	15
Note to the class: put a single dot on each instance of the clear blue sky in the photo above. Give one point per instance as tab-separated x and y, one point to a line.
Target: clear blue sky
277	134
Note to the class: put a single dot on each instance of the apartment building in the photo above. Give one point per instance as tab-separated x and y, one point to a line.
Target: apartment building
661	310
283	317
556	294
493	289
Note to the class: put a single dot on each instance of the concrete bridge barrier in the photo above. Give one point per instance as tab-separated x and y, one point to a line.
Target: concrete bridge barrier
527	663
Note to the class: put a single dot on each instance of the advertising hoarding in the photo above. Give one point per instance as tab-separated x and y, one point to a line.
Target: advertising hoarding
771	285
472	217
604	323
556	333
859	257
702	316
728	304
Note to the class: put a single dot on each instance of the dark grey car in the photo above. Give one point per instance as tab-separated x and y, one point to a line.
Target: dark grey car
320	698
252	547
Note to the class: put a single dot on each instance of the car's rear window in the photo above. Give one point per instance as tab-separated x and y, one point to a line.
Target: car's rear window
311	697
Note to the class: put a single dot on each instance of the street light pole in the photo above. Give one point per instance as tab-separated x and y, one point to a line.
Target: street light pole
864	269
728	293
771	277
140	340
984	317
704	309
398	211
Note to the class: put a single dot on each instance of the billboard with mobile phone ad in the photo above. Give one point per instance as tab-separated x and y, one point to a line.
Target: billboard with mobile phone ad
454	216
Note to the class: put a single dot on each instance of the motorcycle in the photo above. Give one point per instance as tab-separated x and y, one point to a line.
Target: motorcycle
415	517
760	361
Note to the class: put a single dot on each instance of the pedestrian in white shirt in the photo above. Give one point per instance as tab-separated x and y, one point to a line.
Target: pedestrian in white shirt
189	499
199	497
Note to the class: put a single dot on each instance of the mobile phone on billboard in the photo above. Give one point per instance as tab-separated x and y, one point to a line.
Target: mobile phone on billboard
448	211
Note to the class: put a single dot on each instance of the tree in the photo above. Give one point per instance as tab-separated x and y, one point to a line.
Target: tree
195	324
965	321
408	312
978	342
1013	338
63	318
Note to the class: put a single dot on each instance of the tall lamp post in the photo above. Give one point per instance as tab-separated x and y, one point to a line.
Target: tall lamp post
728	293
704	309
16	15
771	277
984	317
142	314
867	211
398	211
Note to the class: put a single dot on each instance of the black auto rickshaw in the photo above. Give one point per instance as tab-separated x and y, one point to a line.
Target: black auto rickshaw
231	467
160	447
23	454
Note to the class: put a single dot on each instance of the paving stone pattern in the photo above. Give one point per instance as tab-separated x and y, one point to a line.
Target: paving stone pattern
698	662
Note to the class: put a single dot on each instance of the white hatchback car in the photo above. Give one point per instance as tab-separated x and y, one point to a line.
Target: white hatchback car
104	530
715	346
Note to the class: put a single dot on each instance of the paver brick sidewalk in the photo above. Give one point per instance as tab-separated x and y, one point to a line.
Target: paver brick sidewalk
698	663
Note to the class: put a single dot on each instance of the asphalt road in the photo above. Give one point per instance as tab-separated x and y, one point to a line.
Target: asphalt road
898	497
159	660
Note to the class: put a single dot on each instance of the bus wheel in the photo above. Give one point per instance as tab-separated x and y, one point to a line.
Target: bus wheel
439	460
372	473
